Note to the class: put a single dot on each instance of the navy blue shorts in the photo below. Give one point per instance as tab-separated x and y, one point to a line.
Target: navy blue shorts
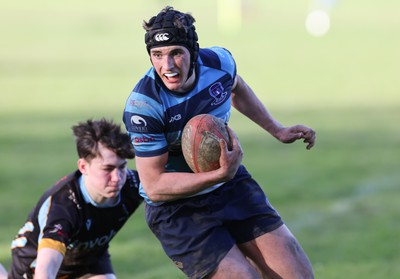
197	232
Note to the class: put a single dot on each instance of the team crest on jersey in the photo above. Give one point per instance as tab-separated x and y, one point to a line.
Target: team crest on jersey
217	92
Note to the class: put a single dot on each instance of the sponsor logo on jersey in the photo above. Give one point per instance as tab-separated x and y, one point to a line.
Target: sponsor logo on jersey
90	244
175	118
217	92
142	139
139	124
138	104
57	229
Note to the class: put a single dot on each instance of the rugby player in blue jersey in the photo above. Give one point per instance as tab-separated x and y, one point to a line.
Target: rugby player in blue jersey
216	224
68	232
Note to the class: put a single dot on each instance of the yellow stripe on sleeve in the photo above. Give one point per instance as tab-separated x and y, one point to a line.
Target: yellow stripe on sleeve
53	244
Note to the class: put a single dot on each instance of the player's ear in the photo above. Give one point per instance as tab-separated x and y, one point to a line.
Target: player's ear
82	165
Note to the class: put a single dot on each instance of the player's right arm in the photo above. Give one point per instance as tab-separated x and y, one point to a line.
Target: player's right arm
161	186
55	218
48	263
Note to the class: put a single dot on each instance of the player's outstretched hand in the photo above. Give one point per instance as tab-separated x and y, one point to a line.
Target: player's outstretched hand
230	159
293	133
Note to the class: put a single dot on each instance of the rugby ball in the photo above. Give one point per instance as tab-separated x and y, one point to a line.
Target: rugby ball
200	142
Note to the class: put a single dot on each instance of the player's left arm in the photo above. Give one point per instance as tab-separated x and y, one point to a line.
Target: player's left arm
246	102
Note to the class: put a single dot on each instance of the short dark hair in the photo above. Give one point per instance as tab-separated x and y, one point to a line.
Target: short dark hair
90	133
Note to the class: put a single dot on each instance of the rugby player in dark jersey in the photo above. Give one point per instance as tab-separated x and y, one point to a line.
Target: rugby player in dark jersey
67	234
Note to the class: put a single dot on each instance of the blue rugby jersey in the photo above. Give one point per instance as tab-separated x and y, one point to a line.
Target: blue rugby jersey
155	116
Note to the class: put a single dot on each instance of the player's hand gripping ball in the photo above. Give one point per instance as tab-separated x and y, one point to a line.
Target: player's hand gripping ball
200	142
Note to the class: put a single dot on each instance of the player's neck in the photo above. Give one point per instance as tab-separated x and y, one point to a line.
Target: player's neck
190	82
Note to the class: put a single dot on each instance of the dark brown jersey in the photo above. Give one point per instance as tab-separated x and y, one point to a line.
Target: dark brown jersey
64	220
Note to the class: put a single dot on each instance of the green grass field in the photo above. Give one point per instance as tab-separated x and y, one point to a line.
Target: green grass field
65	61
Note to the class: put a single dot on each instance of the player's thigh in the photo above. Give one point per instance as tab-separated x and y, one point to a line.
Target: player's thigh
278	254
234	266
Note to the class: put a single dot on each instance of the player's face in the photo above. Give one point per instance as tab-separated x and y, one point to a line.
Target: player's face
172	64
104	175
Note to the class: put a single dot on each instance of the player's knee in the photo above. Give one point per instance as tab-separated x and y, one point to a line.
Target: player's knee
307	271
303	265
243	270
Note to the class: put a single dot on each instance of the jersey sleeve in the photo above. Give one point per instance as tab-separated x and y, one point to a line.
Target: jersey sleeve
57	220
227	61
53	244
144	118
